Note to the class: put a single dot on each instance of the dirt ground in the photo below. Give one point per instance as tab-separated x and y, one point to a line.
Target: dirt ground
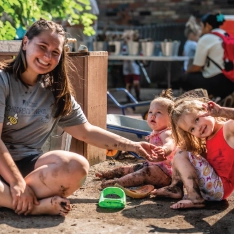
139	215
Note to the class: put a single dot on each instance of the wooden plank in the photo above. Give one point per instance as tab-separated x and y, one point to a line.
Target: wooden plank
96	100
89	80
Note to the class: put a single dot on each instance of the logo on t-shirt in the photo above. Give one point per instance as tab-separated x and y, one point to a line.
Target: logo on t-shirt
12	120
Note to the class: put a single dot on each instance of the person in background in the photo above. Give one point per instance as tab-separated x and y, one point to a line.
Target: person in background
35	96
192	32
154	173
131	71
204	73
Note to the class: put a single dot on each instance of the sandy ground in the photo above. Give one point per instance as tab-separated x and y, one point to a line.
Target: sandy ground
139	215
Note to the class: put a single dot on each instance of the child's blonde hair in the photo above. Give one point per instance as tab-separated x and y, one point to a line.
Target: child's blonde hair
192	27
183	139
166	99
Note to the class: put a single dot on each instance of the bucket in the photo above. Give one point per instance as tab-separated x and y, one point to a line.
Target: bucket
133	47
147	48
167	48
114	47
170	48
99	45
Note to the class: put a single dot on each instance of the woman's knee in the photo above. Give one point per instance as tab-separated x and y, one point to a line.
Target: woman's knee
66	163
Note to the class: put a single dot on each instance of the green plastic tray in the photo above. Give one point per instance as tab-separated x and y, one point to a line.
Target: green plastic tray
108	202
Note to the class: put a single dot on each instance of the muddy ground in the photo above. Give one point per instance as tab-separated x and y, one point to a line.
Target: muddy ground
138	216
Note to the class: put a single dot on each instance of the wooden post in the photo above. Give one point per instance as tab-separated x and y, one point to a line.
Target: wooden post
89	80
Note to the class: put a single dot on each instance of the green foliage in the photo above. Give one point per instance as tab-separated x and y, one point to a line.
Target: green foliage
14	13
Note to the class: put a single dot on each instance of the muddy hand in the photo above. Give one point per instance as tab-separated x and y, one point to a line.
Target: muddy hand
23	198
146	150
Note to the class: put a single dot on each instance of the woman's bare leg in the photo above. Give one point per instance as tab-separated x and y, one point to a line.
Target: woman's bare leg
184	171
57	175
151	174
54	206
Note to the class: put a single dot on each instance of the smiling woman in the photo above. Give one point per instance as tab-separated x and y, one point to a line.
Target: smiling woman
35	95
42	56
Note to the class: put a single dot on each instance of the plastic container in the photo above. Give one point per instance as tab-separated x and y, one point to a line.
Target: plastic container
118	199
176	46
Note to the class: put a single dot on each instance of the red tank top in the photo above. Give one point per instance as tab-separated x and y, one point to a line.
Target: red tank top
221	157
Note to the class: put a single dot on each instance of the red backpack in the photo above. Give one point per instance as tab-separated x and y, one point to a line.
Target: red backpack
228	55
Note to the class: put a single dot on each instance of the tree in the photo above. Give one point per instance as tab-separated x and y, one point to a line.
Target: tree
16	13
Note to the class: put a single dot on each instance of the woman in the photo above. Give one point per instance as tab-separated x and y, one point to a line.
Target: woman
35	95
204	73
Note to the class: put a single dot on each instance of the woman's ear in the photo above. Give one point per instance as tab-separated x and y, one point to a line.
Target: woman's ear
25	41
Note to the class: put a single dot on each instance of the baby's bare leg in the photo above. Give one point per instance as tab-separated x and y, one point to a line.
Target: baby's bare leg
147	175
119	171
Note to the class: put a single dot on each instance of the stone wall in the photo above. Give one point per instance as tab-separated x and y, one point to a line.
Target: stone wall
140	12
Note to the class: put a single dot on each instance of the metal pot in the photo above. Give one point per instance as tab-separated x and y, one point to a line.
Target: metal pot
170	48
133	47
147	48
99	45
114	47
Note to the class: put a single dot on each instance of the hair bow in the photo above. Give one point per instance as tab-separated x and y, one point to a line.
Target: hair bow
220	18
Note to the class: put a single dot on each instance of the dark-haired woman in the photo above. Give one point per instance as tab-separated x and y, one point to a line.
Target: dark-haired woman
204	73
35	94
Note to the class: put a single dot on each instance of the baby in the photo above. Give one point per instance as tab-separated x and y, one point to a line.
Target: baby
154	173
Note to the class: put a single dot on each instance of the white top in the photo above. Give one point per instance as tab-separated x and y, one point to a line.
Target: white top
189	50
210	45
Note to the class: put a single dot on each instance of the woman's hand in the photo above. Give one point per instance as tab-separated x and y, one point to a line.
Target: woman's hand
23	198
149	151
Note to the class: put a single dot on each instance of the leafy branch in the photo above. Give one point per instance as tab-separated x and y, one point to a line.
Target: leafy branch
16	13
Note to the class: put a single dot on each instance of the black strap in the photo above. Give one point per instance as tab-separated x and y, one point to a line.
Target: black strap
216	64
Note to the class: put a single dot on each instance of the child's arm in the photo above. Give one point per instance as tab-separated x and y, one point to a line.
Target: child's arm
168	146
215	110
168	142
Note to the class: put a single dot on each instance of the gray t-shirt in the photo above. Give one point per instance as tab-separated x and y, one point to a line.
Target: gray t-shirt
27	117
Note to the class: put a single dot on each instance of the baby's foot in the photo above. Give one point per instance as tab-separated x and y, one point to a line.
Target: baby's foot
168	191
186	204
52	206
108	183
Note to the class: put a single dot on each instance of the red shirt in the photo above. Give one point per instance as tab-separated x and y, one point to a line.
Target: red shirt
221	157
